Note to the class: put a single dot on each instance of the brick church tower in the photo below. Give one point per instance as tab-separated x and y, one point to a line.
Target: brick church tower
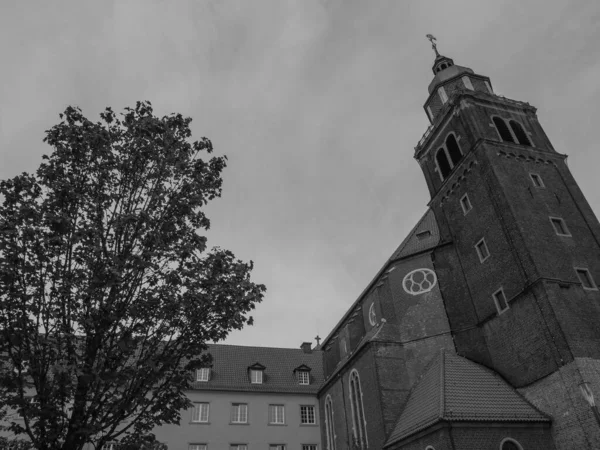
519	273
483	326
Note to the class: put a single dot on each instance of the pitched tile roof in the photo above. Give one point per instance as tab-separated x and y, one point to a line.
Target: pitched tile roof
413	243
229	371
418	239
453	389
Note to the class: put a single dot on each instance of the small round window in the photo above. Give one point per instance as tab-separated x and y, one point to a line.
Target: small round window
372	314
419	281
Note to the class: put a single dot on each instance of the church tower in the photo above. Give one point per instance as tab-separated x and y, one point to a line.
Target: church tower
518	263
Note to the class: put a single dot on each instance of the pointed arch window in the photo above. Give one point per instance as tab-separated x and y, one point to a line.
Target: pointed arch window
329	425
519	132
359	424
503	130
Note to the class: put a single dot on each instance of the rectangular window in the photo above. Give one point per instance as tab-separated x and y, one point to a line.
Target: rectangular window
239	413
198	447
467	82
430	113
110	446
276	414
303	377
489	88
256	376
200	412
307	415
442	94
203	374
465	204
238	447
277	447
482	250
560	227
309	446
585	277
536	180
500	301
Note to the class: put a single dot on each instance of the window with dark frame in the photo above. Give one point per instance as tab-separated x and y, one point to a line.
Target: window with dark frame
560	227
536	180
482	250
303	377
309	446
465	204
500	301
585	277
307	415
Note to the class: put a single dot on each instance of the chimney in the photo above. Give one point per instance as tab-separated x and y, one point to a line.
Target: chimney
306	347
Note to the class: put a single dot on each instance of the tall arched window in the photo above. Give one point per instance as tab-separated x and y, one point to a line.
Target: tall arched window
442	162
453	149
329	425
519	133
359	424
503	129
510	444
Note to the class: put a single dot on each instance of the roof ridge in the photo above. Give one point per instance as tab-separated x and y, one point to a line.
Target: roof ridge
260	346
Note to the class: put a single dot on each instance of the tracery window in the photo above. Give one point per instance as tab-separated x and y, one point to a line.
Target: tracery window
329	425
359	424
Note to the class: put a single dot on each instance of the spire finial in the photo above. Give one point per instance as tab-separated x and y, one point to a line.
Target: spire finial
432	39
318	339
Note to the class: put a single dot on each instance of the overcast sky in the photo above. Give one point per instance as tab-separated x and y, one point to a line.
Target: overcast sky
316	103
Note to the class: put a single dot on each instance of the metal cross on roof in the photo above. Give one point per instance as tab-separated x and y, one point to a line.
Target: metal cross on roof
318	339
432	39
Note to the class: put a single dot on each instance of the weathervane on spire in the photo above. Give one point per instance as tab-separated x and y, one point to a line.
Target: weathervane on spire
432	39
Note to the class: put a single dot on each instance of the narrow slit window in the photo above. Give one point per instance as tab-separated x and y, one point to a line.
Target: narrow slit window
519	132
467	82
585	277
465	204
537	180
503	130
453	149
482	250
500	301
560	227
423	234
430	113
443	95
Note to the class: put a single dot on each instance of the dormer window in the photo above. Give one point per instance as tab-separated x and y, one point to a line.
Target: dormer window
467	82
256	372
443	95
203	374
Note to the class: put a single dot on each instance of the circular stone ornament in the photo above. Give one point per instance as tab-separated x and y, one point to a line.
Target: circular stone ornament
419	281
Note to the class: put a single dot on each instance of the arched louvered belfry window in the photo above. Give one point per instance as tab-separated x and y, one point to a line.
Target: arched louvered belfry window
503	129
442	162
329	425
359	424
520	133
453	149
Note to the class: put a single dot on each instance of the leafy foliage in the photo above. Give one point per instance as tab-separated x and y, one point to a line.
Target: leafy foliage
108	293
